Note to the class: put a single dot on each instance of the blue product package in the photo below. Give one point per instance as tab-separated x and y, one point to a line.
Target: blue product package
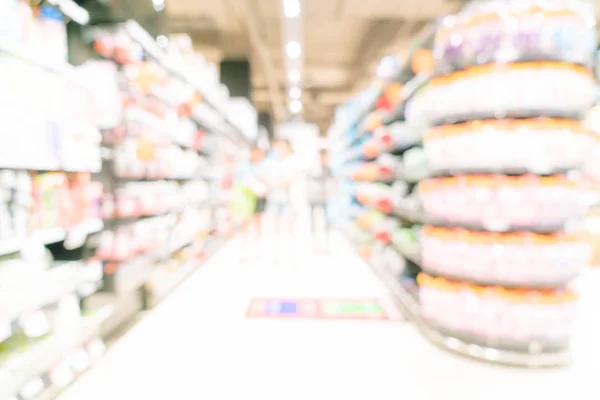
52	13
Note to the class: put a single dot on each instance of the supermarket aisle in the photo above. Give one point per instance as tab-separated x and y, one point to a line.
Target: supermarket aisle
198	344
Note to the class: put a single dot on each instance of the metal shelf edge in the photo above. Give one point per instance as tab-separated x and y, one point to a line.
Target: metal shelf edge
411	311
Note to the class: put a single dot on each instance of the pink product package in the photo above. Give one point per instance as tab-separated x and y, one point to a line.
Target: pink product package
511	92
519	264
524	206
529	150
492	316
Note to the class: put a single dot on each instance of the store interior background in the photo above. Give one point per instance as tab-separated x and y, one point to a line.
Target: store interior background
120	231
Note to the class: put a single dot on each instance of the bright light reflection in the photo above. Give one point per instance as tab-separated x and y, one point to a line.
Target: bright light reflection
291	8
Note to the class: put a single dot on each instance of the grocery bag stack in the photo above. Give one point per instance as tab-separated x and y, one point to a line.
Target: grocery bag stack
514	79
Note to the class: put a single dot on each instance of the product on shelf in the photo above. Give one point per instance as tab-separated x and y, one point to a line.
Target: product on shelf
503	202
139	199
375	195
498	252
397	135
495	314
530	89
34	202
44	108
502	32
510	259
541	145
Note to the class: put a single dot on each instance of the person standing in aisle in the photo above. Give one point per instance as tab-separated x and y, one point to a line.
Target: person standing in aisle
318	184
252	176
282	174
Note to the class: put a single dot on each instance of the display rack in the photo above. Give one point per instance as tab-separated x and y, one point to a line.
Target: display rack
62	292
439	116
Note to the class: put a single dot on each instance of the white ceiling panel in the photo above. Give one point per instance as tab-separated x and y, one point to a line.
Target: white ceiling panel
404	9
325	76
327	10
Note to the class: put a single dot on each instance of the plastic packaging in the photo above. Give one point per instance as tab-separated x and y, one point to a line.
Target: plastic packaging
501	203
517	315
541	145
532	89
509	259
501	32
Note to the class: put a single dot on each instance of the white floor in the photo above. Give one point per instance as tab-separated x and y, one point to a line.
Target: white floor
198	344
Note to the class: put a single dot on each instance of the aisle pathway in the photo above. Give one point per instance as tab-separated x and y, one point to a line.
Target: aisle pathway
198	344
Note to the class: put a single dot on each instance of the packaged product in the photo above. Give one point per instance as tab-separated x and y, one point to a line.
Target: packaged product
510	259
496	313
515	32
540	145
53	30
550	89
10	29
501	203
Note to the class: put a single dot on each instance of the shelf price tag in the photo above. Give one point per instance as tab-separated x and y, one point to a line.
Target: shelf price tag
35	324
32	389
5	330
33	250
62	375
80	361
69	312
76	237
96	349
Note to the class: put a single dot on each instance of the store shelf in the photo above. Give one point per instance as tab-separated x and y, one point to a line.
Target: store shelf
50	288
531	357
72	10
143	38
49	236
404	74
34	362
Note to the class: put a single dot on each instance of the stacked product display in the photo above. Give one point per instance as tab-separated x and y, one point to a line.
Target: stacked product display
494	182
499	248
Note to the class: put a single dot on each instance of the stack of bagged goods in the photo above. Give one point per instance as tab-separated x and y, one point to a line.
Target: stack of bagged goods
513	83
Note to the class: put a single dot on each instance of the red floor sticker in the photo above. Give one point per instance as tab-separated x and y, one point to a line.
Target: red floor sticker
348	309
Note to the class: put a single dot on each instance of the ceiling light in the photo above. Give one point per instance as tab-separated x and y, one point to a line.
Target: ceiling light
295	106
294	76
291	8
158	5
162	41
295	92
293	49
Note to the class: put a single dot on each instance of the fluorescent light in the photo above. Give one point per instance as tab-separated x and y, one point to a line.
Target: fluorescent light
158	5
295	92
295	106
162	41
291	8
294	75
293	49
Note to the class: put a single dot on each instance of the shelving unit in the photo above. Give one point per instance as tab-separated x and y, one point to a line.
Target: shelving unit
62	293
397	203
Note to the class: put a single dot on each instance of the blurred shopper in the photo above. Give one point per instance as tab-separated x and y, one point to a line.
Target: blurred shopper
252	177
282	175
317	187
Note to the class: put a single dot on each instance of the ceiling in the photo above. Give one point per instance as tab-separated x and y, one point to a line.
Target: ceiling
343	41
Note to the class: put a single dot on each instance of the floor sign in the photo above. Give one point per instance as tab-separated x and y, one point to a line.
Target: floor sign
352	309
